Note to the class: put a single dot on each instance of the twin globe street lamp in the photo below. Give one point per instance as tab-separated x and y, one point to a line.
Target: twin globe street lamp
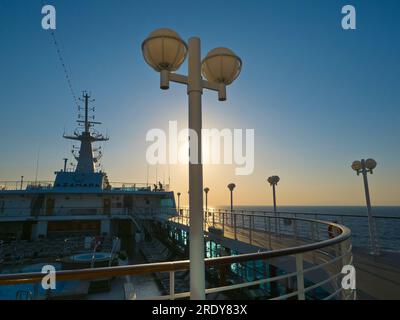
165	51
363	167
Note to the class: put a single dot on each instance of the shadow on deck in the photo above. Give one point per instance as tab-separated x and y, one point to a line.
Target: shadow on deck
377	277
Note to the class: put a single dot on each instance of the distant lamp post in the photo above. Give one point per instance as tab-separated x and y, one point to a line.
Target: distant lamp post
179	202
273	181
231	187
165	51
206	190
363	167
22	182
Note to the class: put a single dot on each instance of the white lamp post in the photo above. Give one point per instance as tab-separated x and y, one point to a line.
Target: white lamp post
165	51
273	181
363	167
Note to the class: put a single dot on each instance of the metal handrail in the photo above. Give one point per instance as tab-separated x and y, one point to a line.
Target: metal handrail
267	212
15	185
86	274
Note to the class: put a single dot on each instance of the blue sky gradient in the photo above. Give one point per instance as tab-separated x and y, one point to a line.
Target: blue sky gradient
317	96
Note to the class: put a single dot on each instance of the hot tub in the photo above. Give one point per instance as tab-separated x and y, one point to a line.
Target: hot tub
87	257
84	260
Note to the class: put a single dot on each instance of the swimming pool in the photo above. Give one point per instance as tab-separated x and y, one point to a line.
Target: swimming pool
9	292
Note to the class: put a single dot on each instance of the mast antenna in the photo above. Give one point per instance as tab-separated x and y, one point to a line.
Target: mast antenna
37	166
87	156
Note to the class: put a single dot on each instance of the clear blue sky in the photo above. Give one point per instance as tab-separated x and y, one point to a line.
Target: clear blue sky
317	96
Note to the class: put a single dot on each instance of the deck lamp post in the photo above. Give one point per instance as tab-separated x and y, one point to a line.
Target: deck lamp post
165	51
231	187
273	181
364	167
179	202
206	190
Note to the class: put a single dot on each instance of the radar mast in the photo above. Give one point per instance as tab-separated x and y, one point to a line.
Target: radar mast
87	157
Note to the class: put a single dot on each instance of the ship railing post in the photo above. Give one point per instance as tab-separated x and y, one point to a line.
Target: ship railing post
376	236
269	232
172	285
234	224
213	219
317	227
279	223
312	226
251	222
223	222
342	252
300	277
265	222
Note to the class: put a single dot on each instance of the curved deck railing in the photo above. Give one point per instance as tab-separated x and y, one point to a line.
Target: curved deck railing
314	260
386	227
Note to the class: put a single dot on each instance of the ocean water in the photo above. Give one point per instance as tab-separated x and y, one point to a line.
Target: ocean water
387	221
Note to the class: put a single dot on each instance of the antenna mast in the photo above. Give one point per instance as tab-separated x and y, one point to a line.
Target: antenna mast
86	159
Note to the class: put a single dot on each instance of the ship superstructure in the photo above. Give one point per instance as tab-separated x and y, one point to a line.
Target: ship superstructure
81	200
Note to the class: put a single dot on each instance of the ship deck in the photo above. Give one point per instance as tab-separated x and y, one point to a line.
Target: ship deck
377	277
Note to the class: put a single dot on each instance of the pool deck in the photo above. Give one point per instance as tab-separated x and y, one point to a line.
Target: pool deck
128	287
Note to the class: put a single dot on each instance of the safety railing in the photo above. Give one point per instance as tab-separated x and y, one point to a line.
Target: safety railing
132	186
387	227
25	185
314	259
12	185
